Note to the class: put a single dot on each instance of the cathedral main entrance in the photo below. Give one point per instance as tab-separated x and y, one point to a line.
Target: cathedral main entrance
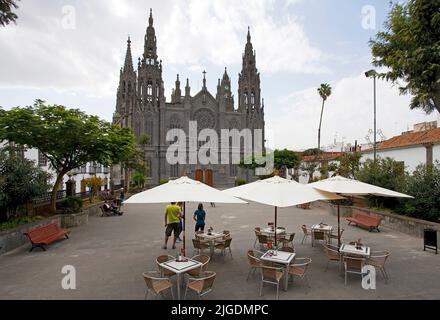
205	176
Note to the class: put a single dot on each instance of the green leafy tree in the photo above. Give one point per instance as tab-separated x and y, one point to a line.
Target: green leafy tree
6	11
324	91
69	138
286	158
424	186
310	152
410	50
282	158
20	181
386	173
349	164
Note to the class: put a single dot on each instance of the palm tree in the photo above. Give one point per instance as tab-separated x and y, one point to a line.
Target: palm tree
325	90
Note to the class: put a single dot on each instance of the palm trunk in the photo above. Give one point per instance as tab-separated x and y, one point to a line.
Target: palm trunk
320	123
436	99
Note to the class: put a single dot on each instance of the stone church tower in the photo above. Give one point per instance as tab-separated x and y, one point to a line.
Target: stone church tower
141	106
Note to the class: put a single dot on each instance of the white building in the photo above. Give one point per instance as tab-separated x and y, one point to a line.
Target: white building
412	148
79	175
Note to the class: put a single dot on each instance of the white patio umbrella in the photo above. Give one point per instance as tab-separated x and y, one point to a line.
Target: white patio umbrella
281	193
183	190
351	187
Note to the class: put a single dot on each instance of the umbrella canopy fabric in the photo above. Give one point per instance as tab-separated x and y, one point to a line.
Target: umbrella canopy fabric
183	189
280	192
353	187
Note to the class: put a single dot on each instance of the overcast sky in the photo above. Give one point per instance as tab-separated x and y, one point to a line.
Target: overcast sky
70	53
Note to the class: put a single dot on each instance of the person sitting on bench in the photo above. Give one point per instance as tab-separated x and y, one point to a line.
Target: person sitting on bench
111	208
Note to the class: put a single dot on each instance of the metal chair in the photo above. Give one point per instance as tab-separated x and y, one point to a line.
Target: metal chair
201	285
287	249
157	284
263	240
332	255
378	259
257	231
199	246
272	276
204	260
317	236
285	241
335	236
299	269
223	245
307	232
164	272
353	265
254	262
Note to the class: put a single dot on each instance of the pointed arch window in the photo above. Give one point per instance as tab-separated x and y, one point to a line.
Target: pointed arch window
245	98
149	91
252	99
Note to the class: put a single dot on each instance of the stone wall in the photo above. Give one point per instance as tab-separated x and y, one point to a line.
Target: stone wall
14	238
408	225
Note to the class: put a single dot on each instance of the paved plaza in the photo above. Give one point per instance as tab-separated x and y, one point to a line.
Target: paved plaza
110	254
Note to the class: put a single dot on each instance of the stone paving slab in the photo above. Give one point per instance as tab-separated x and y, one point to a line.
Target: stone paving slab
111	253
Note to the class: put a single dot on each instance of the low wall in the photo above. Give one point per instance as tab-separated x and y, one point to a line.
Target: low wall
408	225
94	209
14	238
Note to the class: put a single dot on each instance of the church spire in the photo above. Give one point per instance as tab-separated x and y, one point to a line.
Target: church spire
128	65
150	19
150	47
204	80
187	89
249	79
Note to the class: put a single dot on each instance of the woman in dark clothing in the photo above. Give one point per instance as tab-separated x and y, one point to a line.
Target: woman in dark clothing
199	218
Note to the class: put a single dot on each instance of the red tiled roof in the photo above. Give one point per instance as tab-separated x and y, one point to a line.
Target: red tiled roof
410	139
325	156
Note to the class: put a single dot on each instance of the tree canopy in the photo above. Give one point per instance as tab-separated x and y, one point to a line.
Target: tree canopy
409	48
20	181
6	11
282	158
69	138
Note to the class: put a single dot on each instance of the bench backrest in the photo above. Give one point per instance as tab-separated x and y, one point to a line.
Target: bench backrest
44	231
373	220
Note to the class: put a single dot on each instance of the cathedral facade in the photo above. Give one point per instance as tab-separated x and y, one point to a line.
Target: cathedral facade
141	106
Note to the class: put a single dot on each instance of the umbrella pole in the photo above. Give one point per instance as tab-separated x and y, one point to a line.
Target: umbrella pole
276	214
184	227
339	227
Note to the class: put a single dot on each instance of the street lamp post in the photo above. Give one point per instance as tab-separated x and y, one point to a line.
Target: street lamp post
373	74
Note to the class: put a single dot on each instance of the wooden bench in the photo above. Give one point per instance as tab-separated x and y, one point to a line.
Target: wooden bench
46	235
366	221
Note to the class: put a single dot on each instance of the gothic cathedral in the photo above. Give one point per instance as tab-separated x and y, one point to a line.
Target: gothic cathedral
141	106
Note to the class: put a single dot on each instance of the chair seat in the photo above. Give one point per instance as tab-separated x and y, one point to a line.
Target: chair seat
197	286
297	271
278	276
161	285
375	263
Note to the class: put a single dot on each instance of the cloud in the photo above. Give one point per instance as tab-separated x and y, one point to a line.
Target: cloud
348	114
85	57
215	31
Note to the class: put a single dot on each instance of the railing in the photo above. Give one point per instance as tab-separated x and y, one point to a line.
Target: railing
45	198
83	195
